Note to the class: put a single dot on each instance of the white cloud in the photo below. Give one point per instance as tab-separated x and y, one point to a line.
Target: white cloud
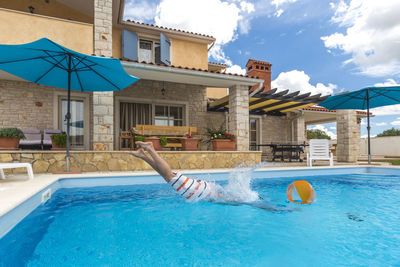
381	124
218	18
223	20
363	122
296	80
396	122
386	110
321	127
278	3
139	10
332	128
372	35
279	12
388	82
236	69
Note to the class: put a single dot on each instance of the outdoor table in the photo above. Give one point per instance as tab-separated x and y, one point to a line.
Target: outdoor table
279	149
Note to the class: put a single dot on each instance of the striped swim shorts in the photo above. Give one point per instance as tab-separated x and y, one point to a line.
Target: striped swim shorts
193	189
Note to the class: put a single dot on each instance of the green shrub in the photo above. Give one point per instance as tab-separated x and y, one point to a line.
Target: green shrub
140	138
60	140
163	141
11	133
390	132
317	134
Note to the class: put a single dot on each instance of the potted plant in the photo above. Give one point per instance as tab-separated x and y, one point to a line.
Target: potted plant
163	141
156	142
59	141
9	138
221	140
190	143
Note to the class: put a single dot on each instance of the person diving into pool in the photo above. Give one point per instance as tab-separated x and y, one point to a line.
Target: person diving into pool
189	188
192	189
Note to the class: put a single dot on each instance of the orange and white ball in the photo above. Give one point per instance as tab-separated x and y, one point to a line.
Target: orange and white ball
304	190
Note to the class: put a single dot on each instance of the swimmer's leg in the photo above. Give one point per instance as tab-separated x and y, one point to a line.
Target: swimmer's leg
158	164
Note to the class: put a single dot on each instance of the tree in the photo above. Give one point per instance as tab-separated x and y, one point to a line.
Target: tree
389	132
317	134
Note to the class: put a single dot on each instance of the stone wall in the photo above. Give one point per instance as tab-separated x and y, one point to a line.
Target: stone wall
25	105
275	129
89	161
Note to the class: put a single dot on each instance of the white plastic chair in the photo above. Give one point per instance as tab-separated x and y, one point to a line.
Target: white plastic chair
28	166
319	150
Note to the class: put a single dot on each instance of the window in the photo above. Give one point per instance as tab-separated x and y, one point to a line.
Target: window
150	51
168	115
146	51
134	113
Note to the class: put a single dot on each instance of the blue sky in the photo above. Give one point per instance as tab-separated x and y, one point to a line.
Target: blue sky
313	45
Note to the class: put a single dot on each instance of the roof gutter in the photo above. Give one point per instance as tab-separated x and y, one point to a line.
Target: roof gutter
260	86
240	79
211	46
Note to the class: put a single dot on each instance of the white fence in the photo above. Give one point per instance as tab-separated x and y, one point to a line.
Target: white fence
382	146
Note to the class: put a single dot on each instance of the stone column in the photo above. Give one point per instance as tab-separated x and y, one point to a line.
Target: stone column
299	129
348	134
239	115
103	102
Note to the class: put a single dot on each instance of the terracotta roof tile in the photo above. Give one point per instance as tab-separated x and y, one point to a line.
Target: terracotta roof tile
166	28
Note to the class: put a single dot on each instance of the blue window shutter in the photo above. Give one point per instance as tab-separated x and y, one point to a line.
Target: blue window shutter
129	45
165	49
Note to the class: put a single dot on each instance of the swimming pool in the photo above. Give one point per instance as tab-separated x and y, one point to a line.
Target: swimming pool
354	221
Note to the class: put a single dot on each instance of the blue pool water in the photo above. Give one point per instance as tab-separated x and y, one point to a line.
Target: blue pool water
355	221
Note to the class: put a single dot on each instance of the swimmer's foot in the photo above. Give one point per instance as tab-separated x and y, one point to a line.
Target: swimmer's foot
138	153
145	145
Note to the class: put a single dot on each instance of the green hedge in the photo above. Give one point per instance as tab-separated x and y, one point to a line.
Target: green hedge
60	140
140	138
11	133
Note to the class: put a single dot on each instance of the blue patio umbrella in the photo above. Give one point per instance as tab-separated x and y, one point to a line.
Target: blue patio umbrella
48	63
366	98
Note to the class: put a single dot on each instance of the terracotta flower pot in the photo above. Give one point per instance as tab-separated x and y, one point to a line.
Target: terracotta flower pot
156	142
223	145
55	147
9	143
190	144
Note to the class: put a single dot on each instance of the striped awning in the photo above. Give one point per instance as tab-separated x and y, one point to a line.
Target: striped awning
272	102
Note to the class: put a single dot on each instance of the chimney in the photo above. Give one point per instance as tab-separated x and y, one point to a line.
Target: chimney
260	70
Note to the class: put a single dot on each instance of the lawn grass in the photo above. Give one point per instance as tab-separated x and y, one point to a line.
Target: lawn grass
394	162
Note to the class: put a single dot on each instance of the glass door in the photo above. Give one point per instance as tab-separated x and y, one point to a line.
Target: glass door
77	124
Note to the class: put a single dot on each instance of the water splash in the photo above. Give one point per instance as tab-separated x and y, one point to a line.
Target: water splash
239	185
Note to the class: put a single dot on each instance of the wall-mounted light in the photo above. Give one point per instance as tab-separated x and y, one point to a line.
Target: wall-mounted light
163	89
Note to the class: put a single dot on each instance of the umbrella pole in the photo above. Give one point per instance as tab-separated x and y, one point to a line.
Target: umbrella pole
368	129
68	116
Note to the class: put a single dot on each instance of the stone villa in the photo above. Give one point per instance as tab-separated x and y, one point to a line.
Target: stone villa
177	86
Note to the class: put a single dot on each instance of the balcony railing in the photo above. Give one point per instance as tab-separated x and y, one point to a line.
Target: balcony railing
20	27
